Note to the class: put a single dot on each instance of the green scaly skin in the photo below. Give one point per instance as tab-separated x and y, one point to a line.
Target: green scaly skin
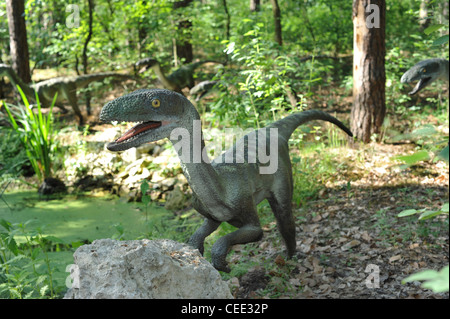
223	191
66	87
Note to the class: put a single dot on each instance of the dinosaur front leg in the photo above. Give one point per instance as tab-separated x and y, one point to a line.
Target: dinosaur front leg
198	238
245	234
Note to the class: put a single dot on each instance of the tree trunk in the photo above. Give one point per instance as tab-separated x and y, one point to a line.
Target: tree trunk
255	5
84	56
18	39
424	21
369	105
228	19
183	43
277	19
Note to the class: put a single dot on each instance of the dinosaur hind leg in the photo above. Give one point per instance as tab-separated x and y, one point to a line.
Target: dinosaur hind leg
71	96
281	207
198	238
246	234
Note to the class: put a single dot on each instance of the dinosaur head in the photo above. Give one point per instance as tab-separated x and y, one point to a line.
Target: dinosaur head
156	111
4	68
425	72
146	64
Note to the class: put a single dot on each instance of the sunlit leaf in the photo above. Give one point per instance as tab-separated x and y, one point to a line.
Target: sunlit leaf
438	281
432	28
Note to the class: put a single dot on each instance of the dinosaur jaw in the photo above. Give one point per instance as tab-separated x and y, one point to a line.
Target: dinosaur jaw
423	82
139	134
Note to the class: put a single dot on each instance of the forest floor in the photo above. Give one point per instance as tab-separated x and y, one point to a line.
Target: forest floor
351	233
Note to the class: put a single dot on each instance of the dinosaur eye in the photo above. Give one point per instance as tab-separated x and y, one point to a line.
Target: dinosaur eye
424	70
156	103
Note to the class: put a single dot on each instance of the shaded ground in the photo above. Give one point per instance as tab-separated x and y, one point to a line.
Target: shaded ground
352	230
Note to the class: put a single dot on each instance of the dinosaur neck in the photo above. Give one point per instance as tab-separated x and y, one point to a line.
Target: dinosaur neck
15	80
190	146
162	77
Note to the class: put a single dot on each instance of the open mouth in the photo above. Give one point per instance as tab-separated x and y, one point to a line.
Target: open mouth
420	85
138	130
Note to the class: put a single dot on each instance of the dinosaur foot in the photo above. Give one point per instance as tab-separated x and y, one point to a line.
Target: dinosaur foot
63	110
222	267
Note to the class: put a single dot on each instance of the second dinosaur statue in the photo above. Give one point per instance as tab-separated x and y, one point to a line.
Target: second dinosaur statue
426	72
177	80
66	87
229	188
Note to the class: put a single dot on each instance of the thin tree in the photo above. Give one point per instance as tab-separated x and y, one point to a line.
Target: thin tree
183	45
228	19
18	39
369	78
255	5
84	55
277	19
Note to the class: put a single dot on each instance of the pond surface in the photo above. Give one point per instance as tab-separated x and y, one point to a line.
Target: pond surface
80	218
76	220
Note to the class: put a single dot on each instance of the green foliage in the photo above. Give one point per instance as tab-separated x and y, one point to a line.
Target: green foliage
257	90
13	158
25	270
444	154
424	213
438	281
36	134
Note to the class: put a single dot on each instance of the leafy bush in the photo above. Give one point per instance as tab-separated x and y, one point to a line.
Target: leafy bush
25	270
257	87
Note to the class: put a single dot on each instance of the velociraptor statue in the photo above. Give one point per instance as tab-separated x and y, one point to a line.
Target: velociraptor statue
66	87
426	72
229	188
178	79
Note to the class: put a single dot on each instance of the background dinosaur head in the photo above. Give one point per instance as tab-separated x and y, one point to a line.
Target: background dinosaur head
157	112
146	64
4	68
425	72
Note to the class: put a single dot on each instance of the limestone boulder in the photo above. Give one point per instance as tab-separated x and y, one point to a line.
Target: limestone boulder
143	269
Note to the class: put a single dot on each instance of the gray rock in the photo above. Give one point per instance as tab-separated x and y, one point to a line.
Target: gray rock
143	269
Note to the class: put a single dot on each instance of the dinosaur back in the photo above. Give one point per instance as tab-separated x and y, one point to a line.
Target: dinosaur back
84	80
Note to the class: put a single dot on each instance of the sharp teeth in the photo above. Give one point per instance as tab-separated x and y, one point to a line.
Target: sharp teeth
114	122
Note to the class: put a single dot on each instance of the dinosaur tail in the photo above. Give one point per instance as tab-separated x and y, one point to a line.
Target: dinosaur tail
84	80
288	125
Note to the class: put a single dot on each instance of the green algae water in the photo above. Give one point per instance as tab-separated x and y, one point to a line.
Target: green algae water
81	218
74	220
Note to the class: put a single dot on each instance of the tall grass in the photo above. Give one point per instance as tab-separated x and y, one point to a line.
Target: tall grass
35	132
